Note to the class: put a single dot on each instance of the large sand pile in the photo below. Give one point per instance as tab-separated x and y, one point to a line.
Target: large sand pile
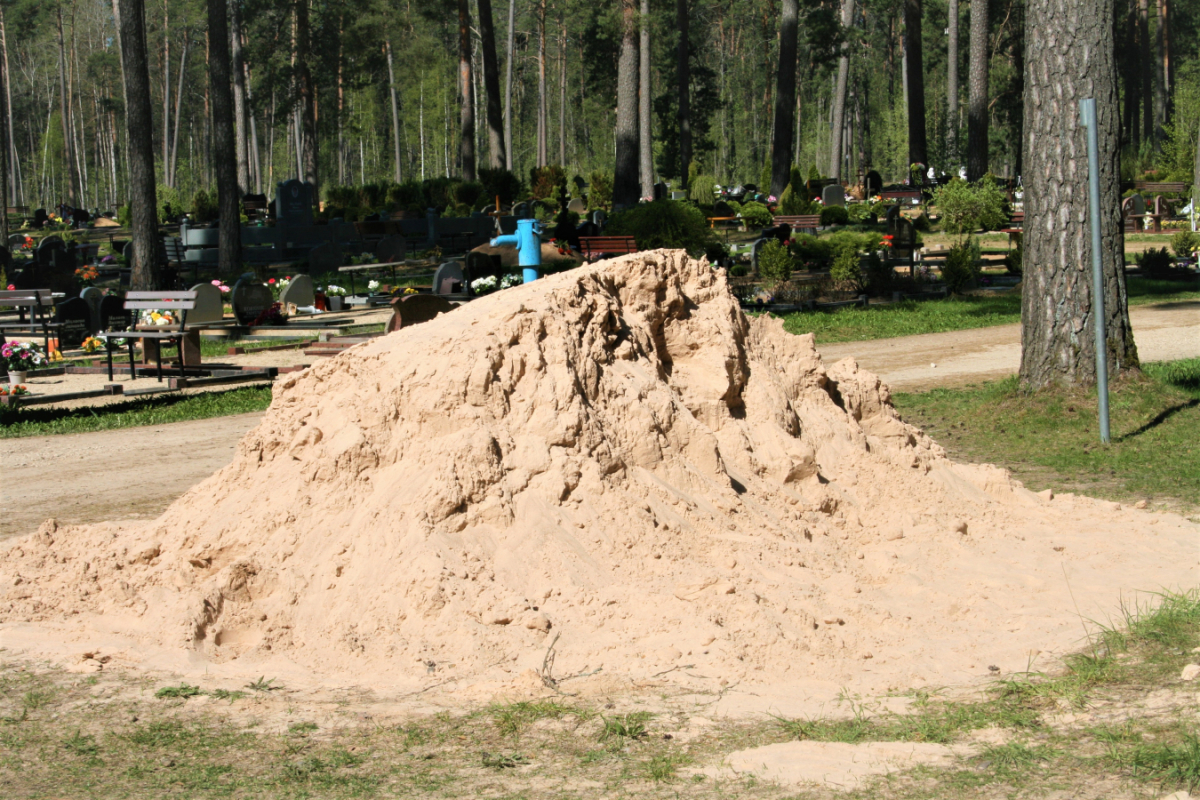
616	456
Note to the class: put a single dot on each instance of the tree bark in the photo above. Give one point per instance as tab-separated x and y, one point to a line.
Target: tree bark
1069	56
18	192
166	113
241	114
952	116
1144	62
1132	77
1162	40
645	151
839	96
683	71
387	45
466	142
917	150
625	178
229	240
307	118
541	85
508	89
143	197
562	93
65	111
977	104
491	86
178	109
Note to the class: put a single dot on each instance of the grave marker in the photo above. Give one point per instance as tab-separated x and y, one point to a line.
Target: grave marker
449	279
293	203
299	292
325	258
93	297
75	315
113	314
833	195
390	249
873	184
249	299
209	305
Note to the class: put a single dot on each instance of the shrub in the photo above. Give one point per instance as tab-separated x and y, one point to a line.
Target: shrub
544	181
834	215
373	195
401	196
438	192
756	215
663	223
921	222
764	182
715	252
600	193
1184	242
203	208
468	193
169	204
500	182
738	271
959	272
1156	263
703	189
793	201
1013	261
966	207
846	272
880	274
124	217
774	263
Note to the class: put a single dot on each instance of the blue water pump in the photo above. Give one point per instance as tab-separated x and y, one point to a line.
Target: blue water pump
528	242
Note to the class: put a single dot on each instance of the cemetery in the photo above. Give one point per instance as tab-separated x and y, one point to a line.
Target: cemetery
648	401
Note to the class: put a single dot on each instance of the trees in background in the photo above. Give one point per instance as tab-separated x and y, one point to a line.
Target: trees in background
978	93
229	238
625	178
785	98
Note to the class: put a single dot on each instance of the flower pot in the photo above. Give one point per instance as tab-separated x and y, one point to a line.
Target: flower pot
336	303
17	376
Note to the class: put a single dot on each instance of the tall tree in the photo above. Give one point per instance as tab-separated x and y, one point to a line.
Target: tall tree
491	85
1145	61
625	177
645	145
917	149
387	46
1069	56
229	239
836	148
508	86
952	117
307	118
64	89
139	119
542	133
977	103
13	162
466	143
241	112
683	70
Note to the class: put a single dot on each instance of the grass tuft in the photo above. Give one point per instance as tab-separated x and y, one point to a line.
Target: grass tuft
183	691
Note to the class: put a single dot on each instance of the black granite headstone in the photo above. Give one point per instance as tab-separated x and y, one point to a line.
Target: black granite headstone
873	184
249	299
293	203
113	314
75	315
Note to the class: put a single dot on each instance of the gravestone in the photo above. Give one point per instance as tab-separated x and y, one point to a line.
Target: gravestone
324	258
390	249
905	241
127	252
93	297
449	279
113	314
521	210
16	240
481	265
298	293
660	191
751	187
893	219
833	195
415	308
577	206
293	203
40	218
5	258
250	298
599	218
75	315
873	184
46	247
209	305
56	266
1134	205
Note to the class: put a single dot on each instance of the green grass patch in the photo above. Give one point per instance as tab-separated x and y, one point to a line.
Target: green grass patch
910	317
1051	438
157	410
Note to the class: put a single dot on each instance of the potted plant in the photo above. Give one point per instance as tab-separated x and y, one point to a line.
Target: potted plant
336	296
19	358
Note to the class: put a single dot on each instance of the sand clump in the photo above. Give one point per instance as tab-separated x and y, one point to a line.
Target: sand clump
616	460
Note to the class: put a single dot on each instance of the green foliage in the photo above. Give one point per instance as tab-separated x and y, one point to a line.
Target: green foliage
169	203
600	191
756	215
125	216
500	182
764	181
544	182
439	191
967	207
714	250
834	215
1156	263
1184	242
663	223
341	196
846	272
182	691
702	189
401	196
468	194
960	272
1014	262
203	208
880	275
775	263
793	201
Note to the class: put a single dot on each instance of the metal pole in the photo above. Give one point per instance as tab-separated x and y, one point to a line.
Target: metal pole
1087	110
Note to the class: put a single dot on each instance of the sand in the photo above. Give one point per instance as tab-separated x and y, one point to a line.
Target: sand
610	473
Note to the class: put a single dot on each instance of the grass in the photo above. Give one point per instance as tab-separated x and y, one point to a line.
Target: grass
911	317
157	410
1050	439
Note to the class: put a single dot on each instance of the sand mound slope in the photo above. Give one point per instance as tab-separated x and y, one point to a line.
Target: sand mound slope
614	455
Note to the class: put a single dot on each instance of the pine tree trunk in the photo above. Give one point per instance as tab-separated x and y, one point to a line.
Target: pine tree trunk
72	171
467	110
952	117
508	90
625	178
917	150
645	151
166	113
241	114
683	70
18	192
143	197
1163	94
491	86
1069	56
229	241
307	118
387	44
1144	63
562	94
179	108
839	96
977	103
541	85
1132	77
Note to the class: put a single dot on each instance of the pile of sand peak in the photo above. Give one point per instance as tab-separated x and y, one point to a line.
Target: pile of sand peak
616	456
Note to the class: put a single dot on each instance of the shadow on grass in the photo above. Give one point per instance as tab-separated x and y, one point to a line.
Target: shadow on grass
1162	417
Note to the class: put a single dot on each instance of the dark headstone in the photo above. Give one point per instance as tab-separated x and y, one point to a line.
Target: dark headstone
893	219
93	297
293	203
833	195
415	308
660	191
873	184
250	298
75	315
40	218
113	314
481	265
751	187
599	218
298	292
449	279
521	211
390	249
905	238
1134	205
723	209
324	258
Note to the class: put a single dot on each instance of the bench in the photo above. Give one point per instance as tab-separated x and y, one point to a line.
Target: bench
798	222
1016	226
593	247
40	306
188	341
913	195
1158	187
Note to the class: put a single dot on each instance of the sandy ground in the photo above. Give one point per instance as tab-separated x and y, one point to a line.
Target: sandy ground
70	477
1163	332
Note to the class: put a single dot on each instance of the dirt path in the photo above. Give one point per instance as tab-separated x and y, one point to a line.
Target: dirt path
109	475
1163	332
138	472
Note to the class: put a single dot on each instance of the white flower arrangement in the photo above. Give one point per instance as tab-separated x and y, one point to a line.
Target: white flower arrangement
511	280
372	286
335	291
484	285
154	316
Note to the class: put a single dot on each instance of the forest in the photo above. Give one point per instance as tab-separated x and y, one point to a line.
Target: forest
377	93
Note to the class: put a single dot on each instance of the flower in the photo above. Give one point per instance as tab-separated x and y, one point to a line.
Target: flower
483	285
509	281
771	199
372	285
91	344
271	281
410	290
21	356
12	287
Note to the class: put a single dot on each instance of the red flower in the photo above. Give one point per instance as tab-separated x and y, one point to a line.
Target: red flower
270	280
12	287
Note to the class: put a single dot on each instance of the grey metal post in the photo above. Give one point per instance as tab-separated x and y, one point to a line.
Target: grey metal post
1087	111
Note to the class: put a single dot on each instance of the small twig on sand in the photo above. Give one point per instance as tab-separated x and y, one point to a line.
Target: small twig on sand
548	665
672	669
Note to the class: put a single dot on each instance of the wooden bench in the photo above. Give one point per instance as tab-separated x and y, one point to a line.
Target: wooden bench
188	341
1016	227
1159	187
593	247
798	222
39	304
913	195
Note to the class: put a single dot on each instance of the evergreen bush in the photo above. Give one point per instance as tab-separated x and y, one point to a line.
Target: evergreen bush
1184	242
663	223
203	208
703	189
846	272
756	215
834	215
960	272
600	191
500	182
1156	263
774	263
967	207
